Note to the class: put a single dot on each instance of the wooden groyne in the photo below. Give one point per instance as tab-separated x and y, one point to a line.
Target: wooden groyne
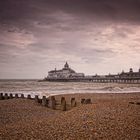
49	102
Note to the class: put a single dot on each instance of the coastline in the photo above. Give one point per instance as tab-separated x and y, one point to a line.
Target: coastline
110	116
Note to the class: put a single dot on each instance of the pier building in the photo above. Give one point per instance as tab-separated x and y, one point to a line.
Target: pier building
65	72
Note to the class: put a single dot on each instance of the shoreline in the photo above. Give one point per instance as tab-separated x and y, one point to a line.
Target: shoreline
65	94
57	94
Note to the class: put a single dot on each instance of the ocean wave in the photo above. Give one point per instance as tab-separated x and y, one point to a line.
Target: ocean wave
48	88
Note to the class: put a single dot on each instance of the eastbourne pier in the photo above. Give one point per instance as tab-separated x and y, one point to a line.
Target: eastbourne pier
66	74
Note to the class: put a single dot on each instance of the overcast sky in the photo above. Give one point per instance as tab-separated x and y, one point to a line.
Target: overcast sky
94	36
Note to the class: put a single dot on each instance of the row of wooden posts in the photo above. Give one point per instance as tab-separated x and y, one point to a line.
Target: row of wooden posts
11	96
47	102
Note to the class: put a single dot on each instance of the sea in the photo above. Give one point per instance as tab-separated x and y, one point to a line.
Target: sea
34	87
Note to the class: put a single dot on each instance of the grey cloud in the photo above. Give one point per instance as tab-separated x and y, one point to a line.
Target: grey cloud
23	14
126	10
84	52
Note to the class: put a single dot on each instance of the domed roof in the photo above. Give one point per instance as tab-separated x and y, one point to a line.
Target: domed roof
66	65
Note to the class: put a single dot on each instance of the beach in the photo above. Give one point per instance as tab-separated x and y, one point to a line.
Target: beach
110	117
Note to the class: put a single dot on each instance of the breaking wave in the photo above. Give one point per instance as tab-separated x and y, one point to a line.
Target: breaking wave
34	87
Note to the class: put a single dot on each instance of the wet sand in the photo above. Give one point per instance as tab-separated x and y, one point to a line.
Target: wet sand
109	117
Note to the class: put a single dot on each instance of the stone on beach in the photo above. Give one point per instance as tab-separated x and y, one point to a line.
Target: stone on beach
137	103
131	103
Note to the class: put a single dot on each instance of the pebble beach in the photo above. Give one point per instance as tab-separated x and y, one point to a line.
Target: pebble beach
109	117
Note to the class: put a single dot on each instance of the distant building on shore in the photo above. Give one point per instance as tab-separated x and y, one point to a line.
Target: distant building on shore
65	72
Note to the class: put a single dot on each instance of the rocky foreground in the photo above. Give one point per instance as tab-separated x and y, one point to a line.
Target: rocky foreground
109	117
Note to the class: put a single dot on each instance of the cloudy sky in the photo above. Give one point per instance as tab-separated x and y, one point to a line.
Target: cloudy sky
94	36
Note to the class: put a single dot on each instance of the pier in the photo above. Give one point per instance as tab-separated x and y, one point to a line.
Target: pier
67	74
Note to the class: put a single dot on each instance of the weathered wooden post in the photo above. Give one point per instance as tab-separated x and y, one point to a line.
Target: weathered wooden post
52	102
82	101
87	101
6	96
36	99
73	102
22	95
44	101
16	95
1	96
28	96
11	96
62	98
63	104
